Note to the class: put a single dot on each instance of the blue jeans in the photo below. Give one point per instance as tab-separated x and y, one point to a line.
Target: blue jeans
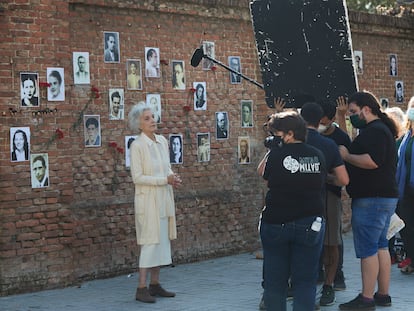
370	222
291	250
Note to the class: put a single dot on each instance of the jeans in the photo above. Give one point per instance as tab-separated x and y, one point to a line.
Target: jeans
291	250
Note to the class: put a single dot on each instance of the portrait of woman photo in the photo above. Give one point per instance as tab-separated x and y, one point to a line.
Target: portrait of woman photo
152	62
203	147
133	69
399	91
20	144
154	101
128	141
393	65
56	90
178	78
176	149
29	89
200	97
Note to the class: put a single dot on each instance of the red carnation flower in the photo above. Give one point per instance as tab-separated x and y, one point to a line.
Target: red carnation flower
113	144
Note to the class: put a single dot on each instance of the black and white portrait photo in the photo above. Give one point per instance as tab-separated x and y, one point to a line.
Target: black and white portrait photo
358	62
29	89
111	47
92	130
154	101
399	91
128	141
56	80
393	65
246	113
203	147
134	75
244	149
209	50
39	167
80	62
176	148
222	125
152	62
200	96
178	75
384	103
19	144
116	104
234	63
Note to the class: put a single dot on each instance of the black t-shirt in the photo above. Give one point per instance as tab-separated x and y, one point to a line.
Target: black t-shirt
377	141
340	138
296	175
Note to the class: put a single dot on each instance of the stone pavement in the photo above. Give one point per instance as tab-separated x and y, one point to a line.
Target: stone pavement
222	284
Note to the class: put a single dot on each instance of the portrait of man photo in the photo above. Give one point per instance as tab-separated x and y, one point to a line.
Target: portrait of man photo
203	147
39	166
234	63
393	65
80	61
399	91
19	144
200	96
116	104
246	113
152	62
133	70
56	79
178	76
128	141
29	90
222	125
111	47
154	101
244	150
209	50
176	149
358	62
92	130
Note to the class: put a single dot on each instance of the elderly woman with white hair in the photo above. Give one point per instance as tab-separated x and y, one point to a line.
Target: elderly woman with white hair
154	201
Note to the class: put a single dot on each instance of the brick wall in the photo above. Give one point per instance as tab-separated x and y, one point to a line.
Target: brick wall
82	226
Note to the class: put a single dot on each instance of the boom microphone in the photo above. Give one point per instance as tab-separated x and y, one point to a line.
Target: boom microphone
197	57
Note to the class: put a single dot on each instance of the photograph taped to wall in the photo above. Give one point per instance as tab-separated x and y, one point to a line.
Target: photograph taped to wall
209	50
244	149
128	141
80	63
358	62
92	130
116	104
393	65
19	144
246	108
200	95
222	125
178	75
176	148
111	47
39	167
154	101
234	63
399	91
29	89
305	50
384	103
203	147
134	74
56	80
152	62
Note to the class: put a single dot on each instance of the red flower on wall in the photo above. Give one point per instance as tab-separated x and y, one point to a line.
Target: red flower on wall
164	62
186	108
120	150
44	84
213	68
113	144
192	90
59	134
95	91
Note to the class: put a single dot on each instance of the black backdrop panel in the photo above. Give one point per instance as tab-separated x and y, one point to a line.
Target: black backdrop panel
305	50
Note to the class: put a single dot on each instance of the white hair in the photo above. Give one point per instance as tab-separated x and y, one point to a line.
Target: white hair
134	116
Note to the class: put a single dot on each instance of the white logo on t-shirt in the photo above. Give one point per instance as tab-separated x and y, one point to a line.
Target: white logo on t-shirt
291	164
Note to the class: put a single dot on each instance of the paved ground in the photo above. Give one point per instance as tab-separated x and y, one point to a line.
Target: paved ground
223	284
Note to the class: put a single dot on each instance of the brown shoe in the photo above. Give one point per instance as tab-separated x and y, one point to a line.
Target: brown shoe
143	295
157	290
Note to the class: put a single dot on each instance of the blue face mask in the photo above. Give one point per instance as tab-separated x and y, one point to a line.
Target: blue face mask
410	114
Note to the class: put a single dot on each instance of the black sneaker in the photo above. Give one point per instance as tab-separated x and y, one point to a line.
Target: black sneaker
382	300
328	296
339	282
358	304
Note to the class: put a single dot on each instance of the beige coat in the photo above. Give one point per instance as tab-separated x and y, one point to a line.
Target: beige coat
154	198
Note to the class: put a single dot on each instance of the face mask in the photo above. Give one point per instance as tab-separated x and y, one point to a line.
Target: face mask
357	122
273	141
410	114
322	128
